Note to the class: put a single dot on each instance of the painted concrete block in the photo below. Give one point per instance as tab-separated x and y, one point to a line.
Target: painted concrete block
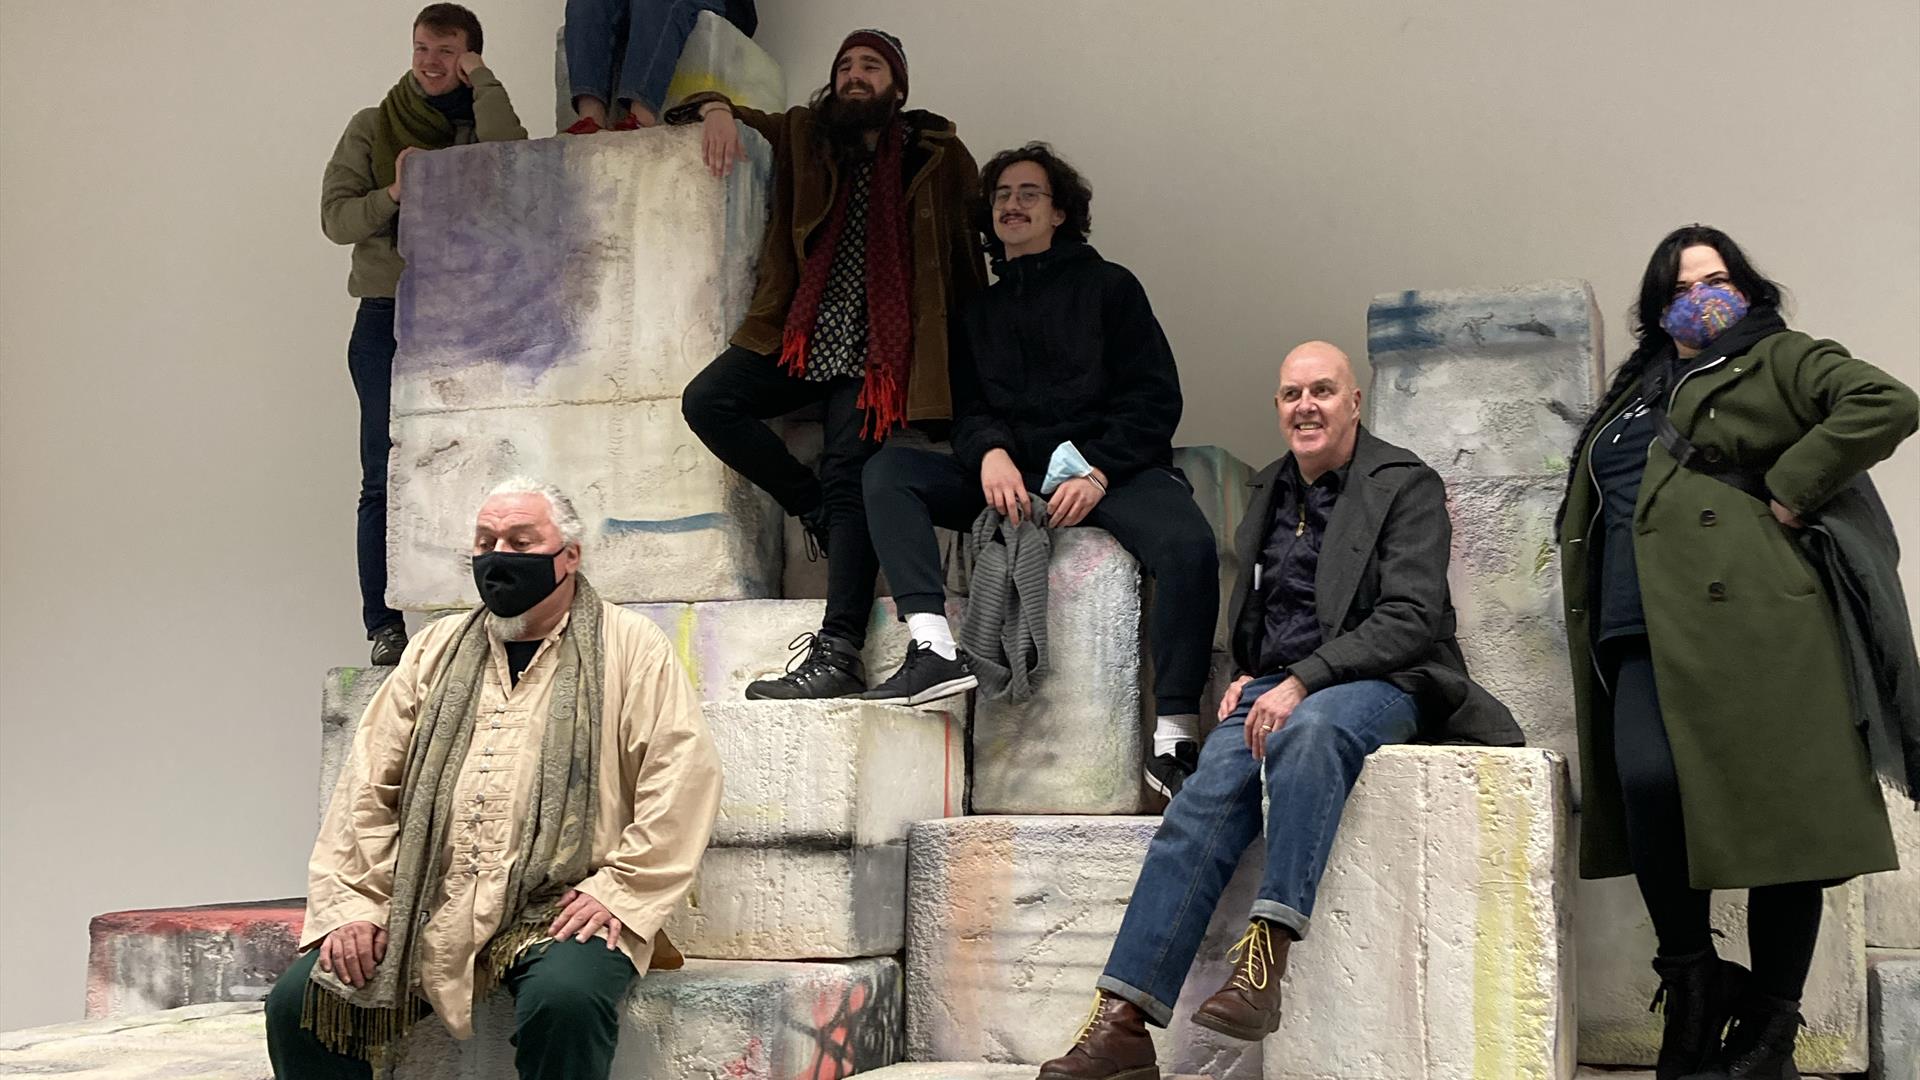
344	696
147	961
1504	576
712	1020
1438	946
1615	944
1486	382
1220	489
226	1041
808	858
717	56
951	1070
1893	1013
559	294
1893	898
1077	746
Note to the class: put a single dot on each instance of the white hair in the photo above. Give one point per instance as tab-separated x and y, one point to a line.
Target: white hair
558	505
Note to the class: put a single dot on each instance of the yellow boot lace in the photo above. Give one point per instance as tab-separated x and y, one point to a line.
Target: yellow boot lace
1092	1015
1252	956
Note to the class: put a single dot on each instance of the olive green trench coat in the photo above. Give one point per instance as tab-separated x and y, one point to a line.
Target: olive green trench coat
1775	784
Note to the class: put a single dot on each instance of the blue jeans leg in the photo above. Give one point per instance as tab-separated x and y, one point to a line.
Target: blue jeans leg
1311	765
1205	830
370	362
656	32
592	28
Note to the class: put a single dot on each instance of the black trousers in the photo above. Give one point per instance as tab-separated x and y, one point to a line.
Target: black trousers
370	361
1783	921
726	405
1151	513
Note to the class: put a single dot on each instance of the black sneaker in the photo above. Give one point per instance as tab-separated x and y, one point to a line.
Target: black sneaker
1167	773
923	676
822	667
388	643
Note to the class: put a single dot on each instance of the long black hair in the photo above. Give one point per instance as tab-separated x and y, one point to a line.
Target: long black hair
1657	287
1071	194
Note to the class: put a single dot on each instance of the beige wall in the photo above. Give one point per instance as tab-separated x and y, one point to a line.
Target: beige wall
177	430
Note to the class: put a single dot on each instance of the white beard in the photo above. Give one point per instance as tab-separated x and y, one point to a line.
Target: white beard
514	629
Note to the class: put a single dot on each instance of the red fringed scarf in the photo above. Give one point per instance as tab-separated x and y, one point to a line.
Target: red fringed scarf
889	286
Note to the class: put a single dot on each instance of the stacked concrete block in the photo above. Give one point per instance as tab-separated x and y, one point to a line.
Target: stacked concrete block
1219	483
951	1070
559	294
1615	944
1491	387
808	857
1893	1013
207	1042
717	56
712	1020
1893	898
344	697
1076	746
146	961
1438	945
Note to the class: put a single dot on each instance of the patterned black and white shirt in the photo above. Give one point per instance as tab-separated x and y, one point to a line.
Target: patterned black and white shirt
838	347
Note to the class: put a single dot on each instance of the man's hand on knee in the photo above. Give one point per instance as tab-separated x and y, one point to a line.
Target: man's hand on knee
581	917
353	951
1230	700
1270	712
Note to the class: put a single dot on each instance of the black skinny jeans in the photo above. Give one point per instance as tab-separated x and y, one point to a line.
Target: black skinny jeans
726	405
1783	921
1151	513
370	361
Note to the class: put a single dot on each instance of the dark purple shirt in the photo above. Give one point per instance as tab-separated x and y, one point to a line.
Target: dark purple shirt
1290	629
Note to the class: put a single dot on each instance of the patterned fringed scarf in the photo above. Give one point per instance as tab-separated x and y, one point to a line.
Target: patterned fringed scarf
368	1021
889	283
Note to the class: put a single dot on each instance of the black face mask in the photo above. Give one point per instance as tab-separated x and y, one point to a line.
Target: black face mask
512	582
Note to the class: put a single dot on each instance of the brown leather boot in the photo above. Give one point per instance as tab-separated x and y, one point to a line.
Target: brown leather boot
1248	1007
1112	1045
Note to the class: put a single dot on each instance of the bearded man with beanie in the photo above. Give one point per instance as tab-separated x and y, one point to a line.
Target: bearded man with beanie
448	98
869	252
526	801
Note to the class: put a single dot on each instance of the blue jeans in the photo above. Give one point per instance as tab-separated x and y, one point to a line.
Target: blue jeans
370	361
1311	764
654	32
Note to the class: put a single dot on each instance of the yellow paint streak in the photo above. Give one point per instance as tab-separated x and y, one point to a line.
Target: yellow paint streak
683	646
685	85
1510	1006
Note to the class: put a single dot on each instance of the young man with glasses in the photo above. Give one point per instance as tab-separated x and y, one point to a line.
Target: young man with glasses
1063	384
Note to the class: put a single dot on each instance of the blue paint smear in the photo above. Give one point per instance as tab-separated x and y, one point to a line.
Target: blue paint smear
1392	327
690	523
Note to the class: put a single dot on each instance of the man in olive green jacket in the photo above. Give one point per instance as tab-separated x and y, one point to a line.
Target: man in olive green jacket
1753	680
448	98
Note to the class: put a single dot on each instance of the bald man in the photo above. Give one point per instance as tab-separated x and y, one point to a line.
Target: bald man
1335	658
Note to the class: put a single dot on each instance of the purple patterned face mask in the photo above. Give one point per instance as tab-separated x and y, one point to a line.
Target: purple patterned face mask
1703	313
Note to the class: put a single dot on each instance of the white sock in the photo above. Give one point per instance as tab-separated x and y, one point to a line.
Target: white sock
931	629
1170	731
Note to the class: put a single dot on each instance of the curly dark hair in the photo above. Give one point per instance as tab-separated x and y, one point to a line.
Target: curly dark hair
1071	196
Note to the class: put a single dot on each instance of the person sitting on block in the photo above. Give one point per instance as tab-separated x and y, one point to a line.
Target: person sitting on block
653	32
1062	384
1335	657
527	798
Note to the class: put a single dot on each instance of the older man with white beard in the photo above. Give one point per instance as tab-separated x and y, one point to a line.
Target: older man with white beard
527	798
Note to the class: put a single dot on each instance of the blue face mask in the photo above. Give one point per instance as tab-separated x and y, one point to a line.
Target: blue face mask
1703	313
1066	464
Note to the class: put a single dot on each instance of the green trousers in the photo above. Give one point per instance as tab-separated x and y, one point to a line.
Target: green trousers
566	1017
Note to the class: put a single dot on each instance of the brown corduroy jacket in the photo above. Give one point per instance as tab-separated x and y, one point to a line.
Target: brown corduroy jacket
943	192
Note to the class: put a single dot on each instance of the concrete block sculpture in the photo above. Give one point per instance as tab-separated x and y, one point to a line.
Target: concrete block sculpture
1893	1013
225	1041
1893	898
148	961
717	56
1438	946
559	294
809	856
1490	387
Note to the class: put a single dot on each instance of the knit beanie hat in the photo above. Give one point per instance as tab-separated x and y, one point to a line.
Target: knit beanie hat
886	45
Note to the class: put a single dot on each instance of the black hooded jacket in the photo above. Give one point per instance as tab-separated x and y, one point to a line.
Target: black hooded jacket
1064	347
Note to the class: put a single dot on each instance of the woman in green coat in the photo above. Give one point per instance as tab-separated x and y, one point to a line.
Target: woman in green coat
1718	749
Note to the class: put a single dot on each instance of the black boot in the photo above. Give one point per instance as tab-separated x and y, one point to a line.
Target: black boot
1698	992
1760	1042
824	667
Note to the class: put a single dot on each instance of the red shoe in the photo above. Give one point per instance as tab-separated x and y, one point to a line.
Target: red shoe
586	125
628	122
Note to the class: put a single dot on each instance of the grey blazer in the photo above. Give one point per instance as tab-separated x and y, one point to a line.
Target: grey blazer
1381	594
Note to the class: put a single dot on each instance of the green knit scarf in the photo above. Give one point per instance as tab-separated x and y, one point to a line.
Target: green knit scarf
555	839
406	119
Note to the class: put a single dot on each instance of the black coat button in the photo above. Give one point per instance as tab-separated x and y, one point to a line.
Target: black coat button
1708	517
1716	590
